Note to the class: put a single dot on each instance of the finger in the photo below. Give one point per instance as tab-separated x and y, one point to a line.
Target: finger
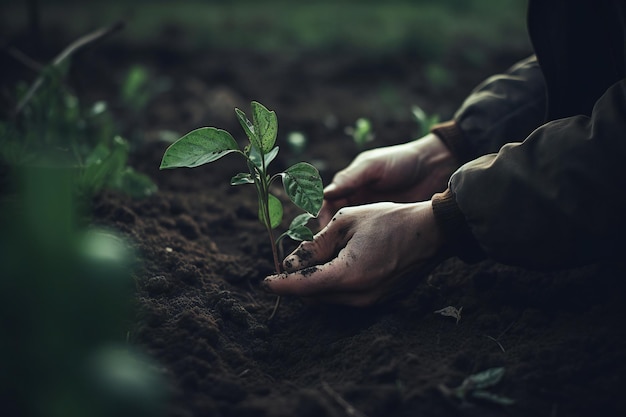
306	282
328	210
347	181
324	246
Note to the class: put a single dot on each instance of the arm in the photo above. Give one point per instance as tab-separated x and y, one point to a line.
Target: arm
555	200
504	108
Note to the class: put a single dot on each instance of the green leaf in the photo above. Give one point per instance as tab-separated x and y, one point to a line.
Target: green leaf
484	379
303	185
242	178
265	126
255	157
248	127
270	156
300	233
492	398
298	230
104	165
134	184
199	147
275	212
300	220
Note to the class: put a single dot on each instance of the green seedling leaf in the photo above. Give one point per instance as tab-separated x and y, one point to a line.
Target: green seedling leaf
255	157
300	233
199	147
275	211
451	311
298	230
242	178
135	184
303	185
248	127
492	398
265	126
300	220
482	380
473	387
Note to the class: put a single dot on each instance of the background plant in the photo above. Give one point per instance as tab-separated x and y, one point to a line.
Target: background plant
301	181
424	120
51	126
361	133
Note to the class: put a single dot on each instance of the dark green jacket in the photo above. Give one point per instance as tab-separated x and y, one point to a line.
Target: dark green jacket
543	183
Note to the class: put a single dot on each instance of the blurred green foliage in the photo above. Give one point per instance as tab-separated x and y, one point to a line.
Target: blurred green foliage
65	303
67	289
54	129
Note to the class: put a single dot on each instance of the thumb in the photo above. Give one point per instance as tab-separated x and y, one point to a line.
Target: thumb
346	182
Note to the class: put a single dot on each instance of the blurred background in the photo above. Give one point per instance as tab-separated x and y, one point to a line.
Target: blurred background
427	27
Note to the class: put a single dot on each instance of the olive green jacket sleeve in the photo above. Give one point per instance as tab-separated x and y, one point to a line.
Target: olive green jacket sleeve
557	199
504	108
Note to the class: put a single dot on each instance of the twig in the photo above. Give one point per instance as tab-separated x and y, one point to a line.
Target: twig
66	53
27	61
347	407
496	340
275	309
507	329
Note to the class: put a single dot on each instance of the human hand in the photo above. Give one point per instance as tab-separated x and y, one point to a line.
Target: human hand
363	255
409	172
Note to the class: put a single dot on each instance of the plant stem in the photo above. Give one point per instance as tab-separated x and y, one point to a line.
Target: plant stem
263	188
66	53
275	309
274	255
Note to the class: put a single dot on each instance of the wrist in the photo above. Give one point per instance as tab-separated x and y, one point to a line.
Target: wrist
452	224
454	139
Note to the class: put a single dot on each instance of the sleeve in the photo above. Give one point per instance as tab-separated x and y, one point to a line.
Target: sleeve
504	108
555	200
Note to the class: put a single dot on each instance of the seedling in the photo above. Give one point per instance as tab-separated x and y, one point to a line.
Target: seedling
451	311
301	181
475	387
361	132
425	121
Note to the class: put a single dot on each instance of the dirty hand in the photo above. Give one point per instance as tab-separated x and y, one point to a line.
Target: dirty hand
409	172
363	255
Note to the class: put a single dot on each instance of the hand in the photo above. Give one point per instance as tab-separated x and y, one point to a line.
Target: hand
409	172
363	255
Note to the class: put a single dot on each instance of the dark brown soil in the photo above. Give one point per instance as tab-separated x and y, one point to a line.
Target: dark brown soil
203	315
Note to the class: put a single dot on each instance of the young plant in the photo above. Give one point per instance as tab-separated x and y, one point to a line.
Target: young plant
361	132
475	387
424	120
301	181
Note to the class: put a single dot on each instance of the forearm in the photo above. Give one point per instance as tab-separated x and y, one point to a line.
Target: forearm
555	200
504	108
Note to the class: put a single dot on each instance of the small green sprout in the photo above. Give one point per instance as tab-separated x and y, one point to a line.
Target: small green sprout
451	311
301	181
475	387
361	132
425	121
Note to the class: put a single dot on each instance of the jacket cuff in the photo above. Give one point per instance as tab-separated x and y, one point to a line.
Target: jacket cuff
460	241
453	137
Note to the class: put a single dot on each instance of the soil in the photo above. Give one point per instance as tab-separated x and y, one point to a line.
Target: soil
203	315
